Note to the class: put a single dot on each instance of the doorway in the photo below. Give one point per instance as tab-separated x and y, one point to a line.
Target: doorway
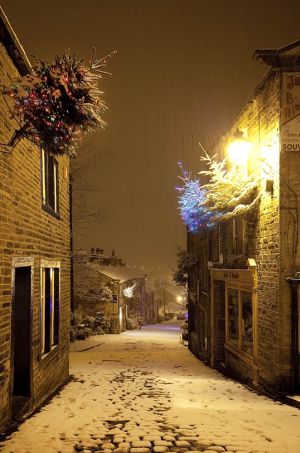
21	339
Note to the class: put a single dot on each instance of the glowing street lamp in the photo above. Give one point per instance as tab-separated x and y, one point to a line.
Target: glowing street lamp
179	298
238	150
128	292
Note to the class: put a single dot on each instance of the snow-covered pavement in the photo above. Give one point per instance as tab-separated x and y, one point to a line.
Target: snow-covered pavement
143	391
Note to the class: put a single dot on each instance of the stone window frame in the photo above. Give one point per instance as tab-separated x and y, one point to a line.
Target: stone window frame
238	348
48	205
54	336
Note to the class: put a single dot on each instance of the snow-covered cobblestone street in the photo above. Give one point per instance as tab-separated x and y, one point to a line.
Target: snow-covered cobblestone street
143	391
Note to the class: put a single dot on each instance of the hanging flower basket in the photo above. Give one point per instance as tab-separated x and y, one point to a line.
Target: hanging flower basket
57	103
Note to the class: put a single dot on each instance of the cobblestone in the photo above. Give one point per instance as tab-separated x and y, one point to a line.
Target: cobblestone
141	443
127	415
163	443
182	443
108	446
160	449
139	450
216	448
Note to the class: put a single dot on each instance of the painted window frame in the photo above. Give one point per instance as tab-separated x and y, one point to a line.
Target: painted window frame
238	236
53	327
241	327
49	161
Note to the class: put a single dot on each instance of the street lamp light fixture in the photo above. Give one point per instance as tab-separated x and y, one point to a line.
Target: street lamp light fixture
238	150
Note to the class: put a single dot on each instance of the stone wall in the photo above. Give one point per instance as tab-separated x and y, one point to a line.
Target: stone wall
289	221
269	238
260	122
28	231
199	295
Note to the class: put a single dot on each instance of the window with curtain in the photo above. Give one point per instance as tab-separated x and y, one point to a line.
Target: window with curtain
49	308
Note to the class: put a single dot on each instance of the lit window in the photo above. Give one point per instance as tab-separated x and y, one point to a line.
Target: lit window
49	308
247	322
239	315
49	182
233	316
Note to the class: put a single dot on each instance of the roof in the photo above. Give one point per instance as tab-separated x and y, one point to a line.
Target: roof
13	46
286	55
121	273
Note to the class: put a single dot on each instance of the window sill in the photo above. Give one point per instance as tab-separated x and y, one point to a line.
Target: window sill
50	211
48	356
240	354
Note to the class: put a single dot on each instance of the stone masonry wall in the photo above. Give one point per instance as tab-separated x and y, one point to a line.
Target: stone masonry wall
28	231
260	121
289	235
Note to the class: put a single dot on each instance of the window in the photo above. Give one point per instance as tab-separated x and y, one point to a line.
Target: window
233	316
238	236
49	182
49	308
247	322
239	309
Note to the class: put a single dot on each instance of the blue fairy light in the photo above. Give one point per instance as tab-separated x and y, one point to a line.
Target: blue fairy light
191	198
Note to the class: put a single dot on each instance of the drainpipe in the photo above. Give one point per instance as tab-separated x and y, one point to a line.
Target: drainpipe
71	244
294	282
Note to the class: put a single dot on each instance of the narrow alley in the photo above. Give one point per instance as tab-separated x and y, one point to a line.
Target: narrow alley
143	391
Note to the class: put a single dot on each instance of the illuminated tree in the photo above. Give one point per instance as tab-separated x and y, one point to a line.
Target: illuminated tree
228	193
191	200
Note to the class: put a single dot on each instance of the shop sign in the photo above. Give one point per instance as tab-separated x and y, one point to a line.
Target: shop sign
239	275
231	274
290	113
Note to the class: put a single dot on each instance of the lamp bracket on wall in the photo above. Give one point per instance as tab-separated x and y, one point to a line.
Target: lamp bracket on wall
16	137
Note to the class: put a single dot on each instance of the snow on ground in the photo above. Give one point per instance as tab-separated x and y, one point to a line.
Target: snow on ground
143	391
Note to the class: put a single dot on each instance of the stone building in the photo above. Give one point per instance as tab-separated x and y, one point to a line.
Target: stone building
243	302
97	255
90	277
34	259
133	297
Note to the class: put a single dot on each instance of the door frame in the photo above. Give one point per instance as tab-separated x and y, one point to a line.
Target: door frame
18	262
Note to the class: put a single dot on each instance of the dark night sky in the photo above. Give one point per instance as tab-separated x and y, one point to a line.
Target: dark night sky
182	71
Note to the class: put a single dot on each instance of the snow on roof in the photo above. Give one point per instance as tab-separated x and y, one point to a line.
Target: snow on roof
272	57
12	45
121	273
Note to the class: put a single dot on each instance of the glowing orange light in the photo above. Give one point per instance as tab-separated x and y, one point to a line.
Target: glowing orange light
238	150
